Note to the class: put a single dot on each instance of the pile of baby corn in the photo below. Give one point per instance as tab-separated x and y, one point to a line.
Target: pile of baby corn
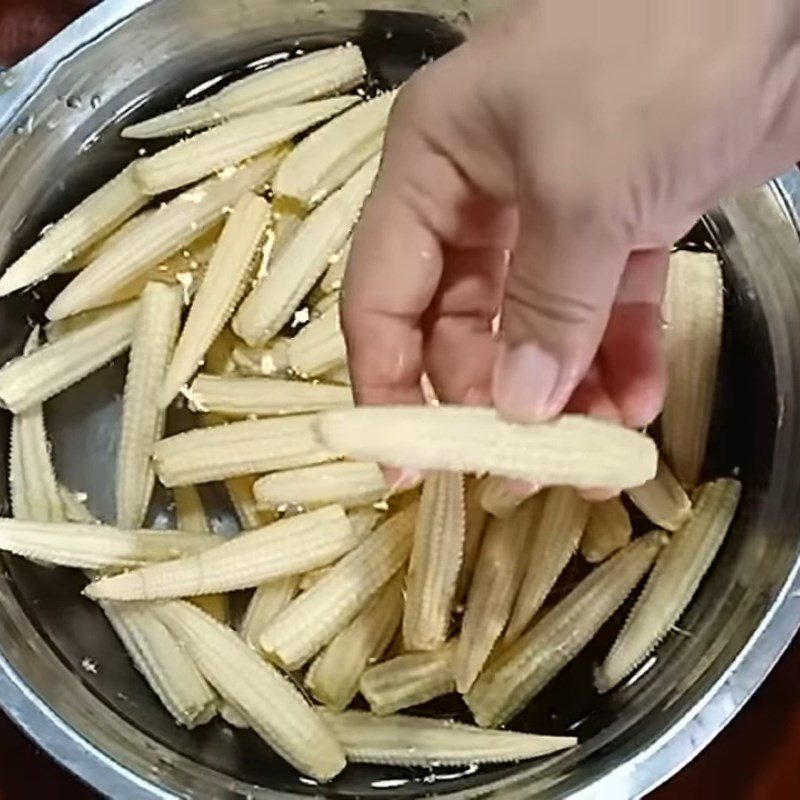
399	596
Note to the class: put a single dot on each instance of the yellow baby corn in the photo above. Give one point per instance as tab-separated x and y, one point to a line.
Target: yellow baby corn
674	581
165	665
408	680
407	741
693	305
16	473
319	347
31	379
240	491
555	540
93	219
348	483
495	584
231	143
339	376
238	448
34	486
191	517
522	670
608	529
232	396
287	547
94	546
266	603
314	75
435	562
314	618
172	227
273	706
75	509
475	518
222	288
662	500
498	499
298	266
333	279
270	360
155	331
333	677
572	450
323	161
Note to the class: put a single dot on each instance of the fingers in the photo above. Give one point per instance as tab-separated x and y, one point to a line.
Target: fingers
558	295
459	343
392	276
631	355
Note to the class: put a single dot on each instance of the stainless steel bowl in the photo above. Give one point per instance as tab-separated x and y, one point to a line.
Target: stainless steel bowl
60	112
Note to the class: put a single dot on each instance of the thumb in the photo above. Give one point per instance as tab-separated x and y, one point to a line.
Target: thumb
558	295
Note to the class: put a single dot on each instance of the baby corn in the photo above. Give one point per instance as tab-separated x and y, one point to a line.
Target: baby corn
231	143
408	680
173	226
555	540
319	347
155	331
323	161
608	529
662	500
272	705
191	515
240	491
220	292
693	306
348	483
314	618
265	397
522	670
333	279
287	547
266	603
16	473
498	499
270	360
31	379
674	581
239	448
94	547
495	583
572	450
333	677
34	486
314	75
475	518
435	562
407	741
93	219
165	665
297	267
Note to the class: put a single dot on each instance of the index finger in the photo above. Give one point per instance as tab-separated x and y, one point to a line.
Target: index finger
395	267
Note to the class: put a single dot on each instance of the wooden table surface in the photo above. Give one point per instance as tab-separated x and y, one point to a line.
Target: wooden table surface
756	758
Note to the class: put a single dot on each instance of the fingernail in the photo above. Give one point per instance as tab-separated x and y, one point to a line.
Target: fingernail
527	383
400	480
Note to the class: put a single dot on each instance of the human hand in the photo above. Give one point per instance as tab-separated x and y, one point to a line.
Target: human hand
583	138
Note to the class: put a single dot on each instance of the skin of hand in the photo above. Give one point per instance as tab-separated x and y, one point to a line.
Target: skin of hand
542	171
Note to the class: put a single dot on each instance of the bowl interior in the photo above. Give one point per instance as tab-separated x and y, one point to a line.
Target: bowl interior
73	634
